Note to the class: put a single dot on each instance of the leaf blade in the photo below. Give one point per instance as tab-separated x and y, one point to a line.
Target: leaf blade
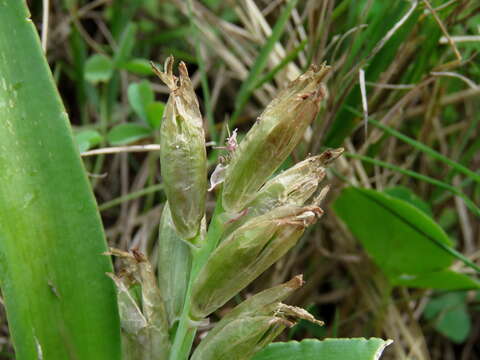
51	237
328	349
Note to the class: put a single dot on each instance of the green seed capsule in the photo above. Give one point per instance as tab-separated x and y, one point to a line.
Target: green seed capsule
241	338
293	186
273	137
246	253
182	152
252	325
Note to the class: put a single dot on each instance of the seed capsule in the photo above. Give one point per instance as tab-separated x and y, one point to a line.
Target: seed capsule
246	253
294	186
273	137
182	152
252	325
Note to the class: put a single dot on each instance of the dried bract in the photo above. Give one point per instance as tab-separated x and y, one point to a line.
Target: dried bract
144	319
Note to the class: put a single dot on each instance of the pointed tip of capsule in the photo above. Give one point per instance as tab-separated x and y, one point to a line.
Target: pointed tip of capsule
185	82
317	73
169	64
182	67
330	155
167	75
296	282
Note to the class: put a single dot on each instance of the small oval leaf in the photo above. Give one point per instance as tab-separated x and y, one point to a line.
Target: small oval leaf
98	68
127	133
140	95
87	139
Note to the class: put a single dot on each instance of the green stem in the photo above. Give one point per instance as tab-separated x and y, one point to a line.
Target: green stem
130	196
187	329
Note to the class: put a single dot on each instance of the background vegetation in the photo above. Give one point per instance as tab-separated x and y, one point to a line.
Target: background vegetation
403	102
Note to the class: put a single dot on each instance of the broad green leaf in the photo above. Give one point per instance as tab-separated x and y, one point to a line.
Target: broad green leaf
59	303
441	280
98	68
140	95
400	238
404	193
138	66
127	133
328	349
450	316
126	44
155	113
87	139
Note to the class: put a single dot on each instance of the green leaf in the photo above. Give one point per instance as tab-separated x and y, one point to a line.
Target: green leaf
155	113
138	66
450	316
87	139
126	44
140	95
52	272
98	68
127	133
328	349
441	280
400	238
404	193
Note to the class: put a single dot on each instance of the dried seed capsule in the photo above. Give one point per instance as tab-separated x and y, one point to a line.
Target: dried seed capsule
143	319
247	253
273	137
182	152
252	325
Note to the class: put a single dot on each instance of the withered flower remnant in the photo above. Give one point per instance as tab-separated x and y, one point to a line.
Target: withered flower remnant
144	319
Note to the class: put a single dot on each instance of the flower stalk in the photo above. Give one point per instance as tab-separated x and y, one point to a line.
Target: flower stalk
255	222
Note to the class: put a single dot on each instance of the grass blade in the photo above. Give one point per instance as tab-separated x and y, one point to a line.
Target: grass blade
427	150
454	190
60	305
261	61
